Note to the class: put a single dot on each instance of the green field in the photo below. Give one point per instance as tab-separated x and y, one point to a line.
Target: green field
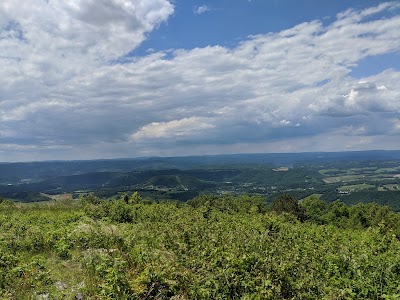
344	178
355	187
389	187
387	170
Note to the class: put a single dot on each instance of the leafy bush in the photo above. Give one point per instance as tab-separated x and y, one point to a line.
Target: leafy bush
120	212
107	274
288	204
313	209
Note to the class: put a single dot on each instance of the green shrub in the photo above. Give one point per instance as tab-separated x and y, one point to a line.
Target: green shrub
120	212
288	204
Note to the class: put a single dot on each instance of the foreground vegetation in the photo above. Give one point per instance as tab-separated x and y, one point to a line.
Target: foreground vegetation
208	248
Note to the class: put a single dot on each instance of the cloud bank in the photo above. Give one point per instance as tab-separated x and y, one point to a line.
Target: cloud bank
69	89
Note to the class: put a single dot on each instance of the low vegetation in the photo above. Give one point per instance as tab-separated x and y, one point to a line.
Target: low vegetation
211	247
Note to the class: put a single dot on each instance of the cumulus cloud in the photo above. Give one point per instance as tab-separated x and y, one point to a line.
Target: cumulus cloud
187	127
37	32
364	97
63	86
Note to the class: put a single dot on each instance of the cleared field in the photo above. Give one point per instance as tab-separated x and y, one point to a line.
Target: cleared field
355	187
389	187
344	178
358	170
334	175
312	195
60	197
328	171
387	170
359	177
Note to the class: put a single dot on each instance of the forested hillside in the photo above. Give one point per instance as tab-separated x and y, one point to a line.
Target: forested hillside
330	176
211	247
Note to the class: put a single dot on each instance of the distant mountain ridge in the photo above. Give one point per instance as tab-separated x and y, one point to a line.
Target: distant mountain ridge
365	175
12	173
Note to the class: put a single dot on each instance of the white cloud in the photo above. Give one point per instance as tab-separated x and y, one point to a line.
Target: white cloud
368	97
285	122
201	9
396	126
187	127
95	30
60	91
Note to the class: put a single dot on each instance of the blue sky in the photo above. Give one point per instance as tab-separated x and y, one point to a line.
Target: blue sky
126	78
227	22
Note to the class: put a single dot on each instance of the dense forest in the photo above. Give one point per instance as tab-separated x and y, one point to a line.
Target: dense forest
211	247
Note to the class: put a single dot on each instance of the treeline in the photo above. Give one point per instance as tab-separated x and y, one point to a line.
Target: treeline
389	198
311	209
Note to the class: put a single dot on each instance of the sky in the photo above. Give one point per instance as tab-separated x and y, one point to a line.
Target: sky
90	79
